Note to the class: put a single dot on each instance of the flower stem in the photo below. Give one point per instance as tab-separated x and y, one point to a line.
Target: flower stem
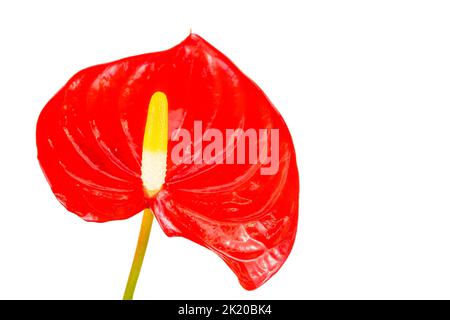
144	234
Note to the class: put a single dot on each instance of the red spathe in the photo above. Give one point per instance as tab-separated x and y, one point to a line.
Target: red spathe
90	135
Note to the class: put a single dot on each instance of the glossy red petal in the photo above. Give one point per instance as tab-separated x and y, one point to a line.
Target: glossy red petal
90	138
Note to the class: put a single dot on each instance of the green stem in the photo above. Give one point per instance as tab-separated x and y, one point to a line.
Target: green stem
144	234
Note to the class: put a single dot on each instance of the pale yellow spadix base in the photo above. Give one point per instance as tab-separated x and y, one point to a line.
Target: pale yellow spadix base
154	150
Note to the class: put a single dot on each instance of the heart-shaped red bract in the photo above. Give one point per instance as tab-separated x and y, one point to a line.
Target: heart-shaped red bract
90	137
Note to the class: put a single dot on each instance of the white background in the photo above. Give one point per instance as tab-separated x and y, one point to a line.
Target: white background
364	87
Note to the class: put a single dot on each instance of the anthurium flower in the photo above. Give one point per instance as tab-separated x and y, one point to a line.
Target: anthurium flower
184	134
